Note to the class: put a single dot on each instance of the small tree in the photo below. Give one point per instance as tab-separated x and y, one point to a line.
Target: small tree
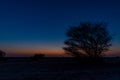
89	39
38	56
2	54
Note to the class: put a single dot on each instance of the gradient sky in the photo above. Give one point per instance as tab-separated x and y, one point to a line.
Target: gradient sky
30	26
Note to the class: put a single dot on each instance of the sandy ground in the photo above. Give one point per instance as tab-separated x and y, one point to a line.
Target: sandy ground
56	69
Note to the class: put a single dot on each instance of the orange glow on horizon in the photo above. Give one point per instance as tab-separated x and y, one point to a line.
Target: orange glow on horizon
29	52
49	51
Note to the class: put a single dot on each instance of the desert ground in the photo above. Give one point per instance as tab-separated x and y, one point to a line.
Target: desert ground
56	69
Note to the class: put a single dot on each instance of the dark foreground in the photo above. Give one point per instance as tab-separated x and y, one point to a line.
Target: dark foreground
56	69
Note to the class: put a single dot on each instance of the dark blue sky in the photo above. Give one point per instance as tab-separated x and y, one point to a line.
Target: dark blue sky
29	26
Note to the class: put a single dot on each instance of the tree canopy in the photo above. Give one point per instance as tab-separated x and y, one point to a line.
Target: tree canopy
2	53
89	39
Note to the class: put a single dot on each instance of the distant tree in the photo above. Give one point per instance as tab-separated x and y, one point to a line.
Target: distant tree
2	54
37	56
88	39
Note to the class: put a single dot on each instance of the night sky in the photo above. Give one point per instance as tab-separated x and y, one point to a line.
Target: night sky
32	26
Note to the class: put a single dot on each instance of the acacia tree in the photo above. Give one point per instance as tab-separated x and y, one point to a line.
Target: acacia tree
89	39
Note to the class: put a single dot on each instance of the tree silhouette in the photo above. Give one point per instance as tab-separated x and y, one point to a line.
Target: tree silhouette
89	39
2	54
37	56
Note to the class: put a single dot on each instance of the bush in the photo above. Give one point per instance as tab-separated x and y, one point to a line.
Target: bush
38	56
